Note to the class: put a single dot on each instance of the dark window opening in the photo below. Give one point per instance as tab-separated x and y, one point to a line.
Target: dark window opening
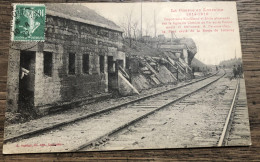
86	63
127	63
47	63
120	63
71	63
110	64
101	64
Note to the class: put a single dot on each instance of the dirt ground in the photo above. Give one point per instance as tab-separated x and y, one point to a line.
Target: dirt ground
12	130
85	131
197	121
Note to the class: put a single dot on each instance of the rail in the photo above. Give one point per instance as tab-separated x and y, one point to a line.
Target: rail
228	119
112	132
55	126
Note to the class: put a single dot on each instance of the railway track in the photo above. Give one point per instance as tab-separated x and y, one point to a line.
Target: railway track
236	130
205	125
96	128
56	126
155	104
229	116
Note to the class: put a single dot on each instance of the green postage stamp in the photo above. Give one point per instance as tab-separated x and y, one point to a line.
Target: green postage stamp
28	22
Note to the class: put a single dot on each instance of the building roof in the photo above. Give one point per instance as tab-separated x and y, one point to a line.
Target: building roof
80	13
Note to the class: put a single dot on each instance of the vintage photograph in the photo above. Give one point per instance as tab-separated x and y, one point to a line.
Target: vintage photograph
123	76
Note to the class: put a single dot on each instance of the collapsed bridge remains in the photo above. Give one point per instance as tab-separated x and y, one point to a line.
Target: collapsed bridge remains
170	63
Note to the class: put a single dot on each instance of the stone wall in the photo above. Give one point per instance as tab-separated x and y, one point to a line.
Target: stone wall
13	80
63	36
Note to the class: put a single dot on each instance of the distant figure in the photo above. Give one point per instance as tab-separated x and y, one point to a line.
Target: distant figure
235	71
193	71
216	68
239	71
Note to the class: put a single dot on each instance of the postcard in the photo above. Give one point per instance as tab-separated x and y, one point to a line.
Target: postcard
124	76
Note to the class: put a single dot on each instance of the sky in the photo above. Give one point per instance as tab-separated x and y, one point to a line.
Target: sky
212	47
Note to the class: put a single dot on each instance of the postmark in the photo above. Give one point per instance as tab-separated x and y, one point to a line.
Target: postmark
28	22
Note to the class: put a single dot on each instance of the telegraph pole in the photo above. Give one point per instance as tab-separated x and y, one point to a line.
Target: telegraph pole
155	30
141	19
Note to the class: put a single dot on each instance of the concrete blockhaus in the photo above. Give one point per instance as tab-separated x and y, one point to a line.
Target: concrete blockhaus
73	63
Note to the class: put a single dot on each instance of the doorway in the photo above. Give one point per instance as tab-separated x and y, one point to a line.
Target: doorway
26	81
111	73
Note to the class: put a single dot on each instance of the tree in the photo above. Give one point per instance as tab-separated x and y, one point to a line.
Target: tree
135	29
155	27
123	25
127	25
147	28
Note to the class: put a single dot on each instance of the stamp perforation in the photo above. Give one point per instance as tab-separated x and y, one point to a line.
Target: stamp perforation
28	23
